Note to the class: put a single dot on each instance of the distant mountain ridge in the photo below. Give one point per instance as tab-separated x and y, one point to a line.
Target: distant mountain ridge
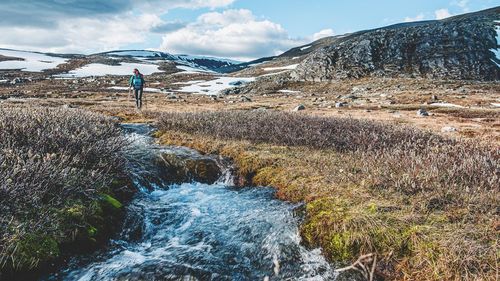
201	62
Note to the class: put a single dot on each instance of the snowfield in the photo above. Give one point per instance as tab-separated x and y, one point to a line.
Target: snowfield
191	70
149	90
288	67
32	62
140	54
445	104
213	87
97	69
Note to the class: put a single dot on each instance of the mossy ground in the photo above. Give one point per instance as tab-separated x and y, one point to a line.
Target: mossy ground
348	215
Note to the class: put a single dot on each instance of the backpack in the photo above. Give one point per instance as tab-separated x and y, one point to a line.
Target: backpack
137	81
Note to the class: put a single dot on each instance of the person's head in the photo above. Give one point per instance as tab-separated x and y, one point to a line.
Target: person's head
136	71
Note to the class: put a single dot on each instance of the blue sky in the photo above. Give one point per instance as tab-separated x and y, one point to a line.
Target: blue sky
239	29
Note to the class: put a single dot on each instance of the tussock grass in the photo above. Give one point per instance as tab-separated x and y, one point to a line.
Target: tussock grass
55	167
426	205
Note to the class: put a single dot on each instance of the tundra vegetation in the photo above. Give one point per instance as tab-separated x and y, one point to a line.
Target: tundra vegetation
425	206
61	172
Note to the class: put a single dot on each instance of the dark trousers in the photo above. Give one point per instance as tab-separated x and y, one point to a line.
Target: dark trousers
138	97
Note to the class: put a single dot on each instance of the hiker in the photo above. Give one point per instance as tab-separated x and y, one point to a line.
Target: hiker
137	82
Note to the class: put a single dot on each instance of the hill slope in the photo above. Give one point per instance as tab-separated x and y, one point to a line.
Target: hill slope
461	47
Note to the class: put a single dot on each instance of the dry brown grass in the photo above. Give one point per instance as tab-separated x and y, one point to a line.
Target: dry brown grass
425	204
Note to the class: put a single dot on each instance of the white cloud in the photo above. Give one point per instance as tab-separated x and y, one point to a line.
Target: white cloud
463	4
82	34
323	33
84	30
418	17
442	14
236	34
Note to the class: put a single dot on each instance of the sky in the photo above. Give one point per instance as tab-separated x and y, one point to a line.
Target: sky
237	29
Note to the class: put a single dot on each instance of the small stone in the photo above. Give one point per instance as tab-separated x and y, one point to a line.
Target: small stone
246	99
422	113
448	129
435	98
299	108
340	104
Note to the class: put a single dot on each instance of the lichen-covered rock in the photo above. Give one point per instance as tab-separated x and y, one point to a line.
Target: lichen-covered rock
455	48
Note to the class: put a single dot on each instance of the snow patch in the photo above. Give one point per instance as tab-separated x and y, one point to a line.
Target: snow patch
288	91
97	69
150	90
140	54
213	87
497	50
445	104
305	48
495	104
191	70
288	67
33	62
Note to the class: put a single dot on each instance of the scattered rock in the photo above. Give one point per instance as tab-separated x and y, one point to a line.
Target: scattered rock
340	104
422	113
246	99
299	107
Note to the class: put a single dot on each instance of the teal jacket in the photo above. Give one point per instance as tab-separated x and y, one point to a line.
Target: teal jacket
137	81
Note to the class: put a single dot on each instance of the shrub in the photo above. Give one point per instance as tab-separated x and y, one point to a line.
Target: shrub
53	164
426	205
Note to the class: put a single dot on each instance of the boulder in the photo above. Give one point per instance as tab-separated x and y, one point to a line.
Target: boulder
179	168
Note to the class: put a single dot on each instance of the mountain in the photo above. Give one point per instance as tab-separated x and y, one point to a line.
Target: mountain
460	47
206	63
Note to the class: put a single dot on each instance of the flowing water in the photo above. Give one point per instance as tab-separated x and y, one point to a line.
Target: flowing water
195	231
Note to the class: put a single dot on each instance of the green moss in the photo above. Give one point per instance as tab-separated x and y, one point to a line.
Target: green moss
33	249
91	231
111	200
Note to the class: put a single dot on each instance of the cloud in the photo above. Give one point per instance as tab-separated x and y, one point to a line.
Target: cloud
87	26
463	4
442	14
167	27
418	17
323	33
236	34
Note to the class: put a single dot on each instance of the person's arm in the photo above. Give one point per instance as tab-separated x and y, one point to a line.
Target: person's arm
131	81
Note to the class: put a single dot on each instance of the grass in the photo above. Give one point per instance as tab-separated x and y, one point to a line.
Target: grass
427	206
59	171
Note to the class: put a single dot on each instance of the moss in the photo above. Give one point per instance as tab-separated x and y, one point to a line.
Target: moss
91	231
33	249
111	201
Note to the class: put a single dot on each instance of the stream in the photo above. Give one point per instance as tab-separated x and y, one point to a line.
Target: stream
196	231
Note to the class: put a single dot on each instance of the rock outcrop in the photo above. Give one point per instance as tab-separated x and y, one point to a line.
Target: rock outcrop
179	168
460	47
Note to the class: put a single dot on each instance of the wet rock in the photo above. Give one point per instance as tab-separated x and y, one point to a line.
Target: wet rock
187	167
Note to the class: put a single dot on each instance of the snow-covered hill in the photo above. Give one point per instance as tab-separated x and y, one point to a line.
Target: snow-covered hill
204	63
118	62
28	61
